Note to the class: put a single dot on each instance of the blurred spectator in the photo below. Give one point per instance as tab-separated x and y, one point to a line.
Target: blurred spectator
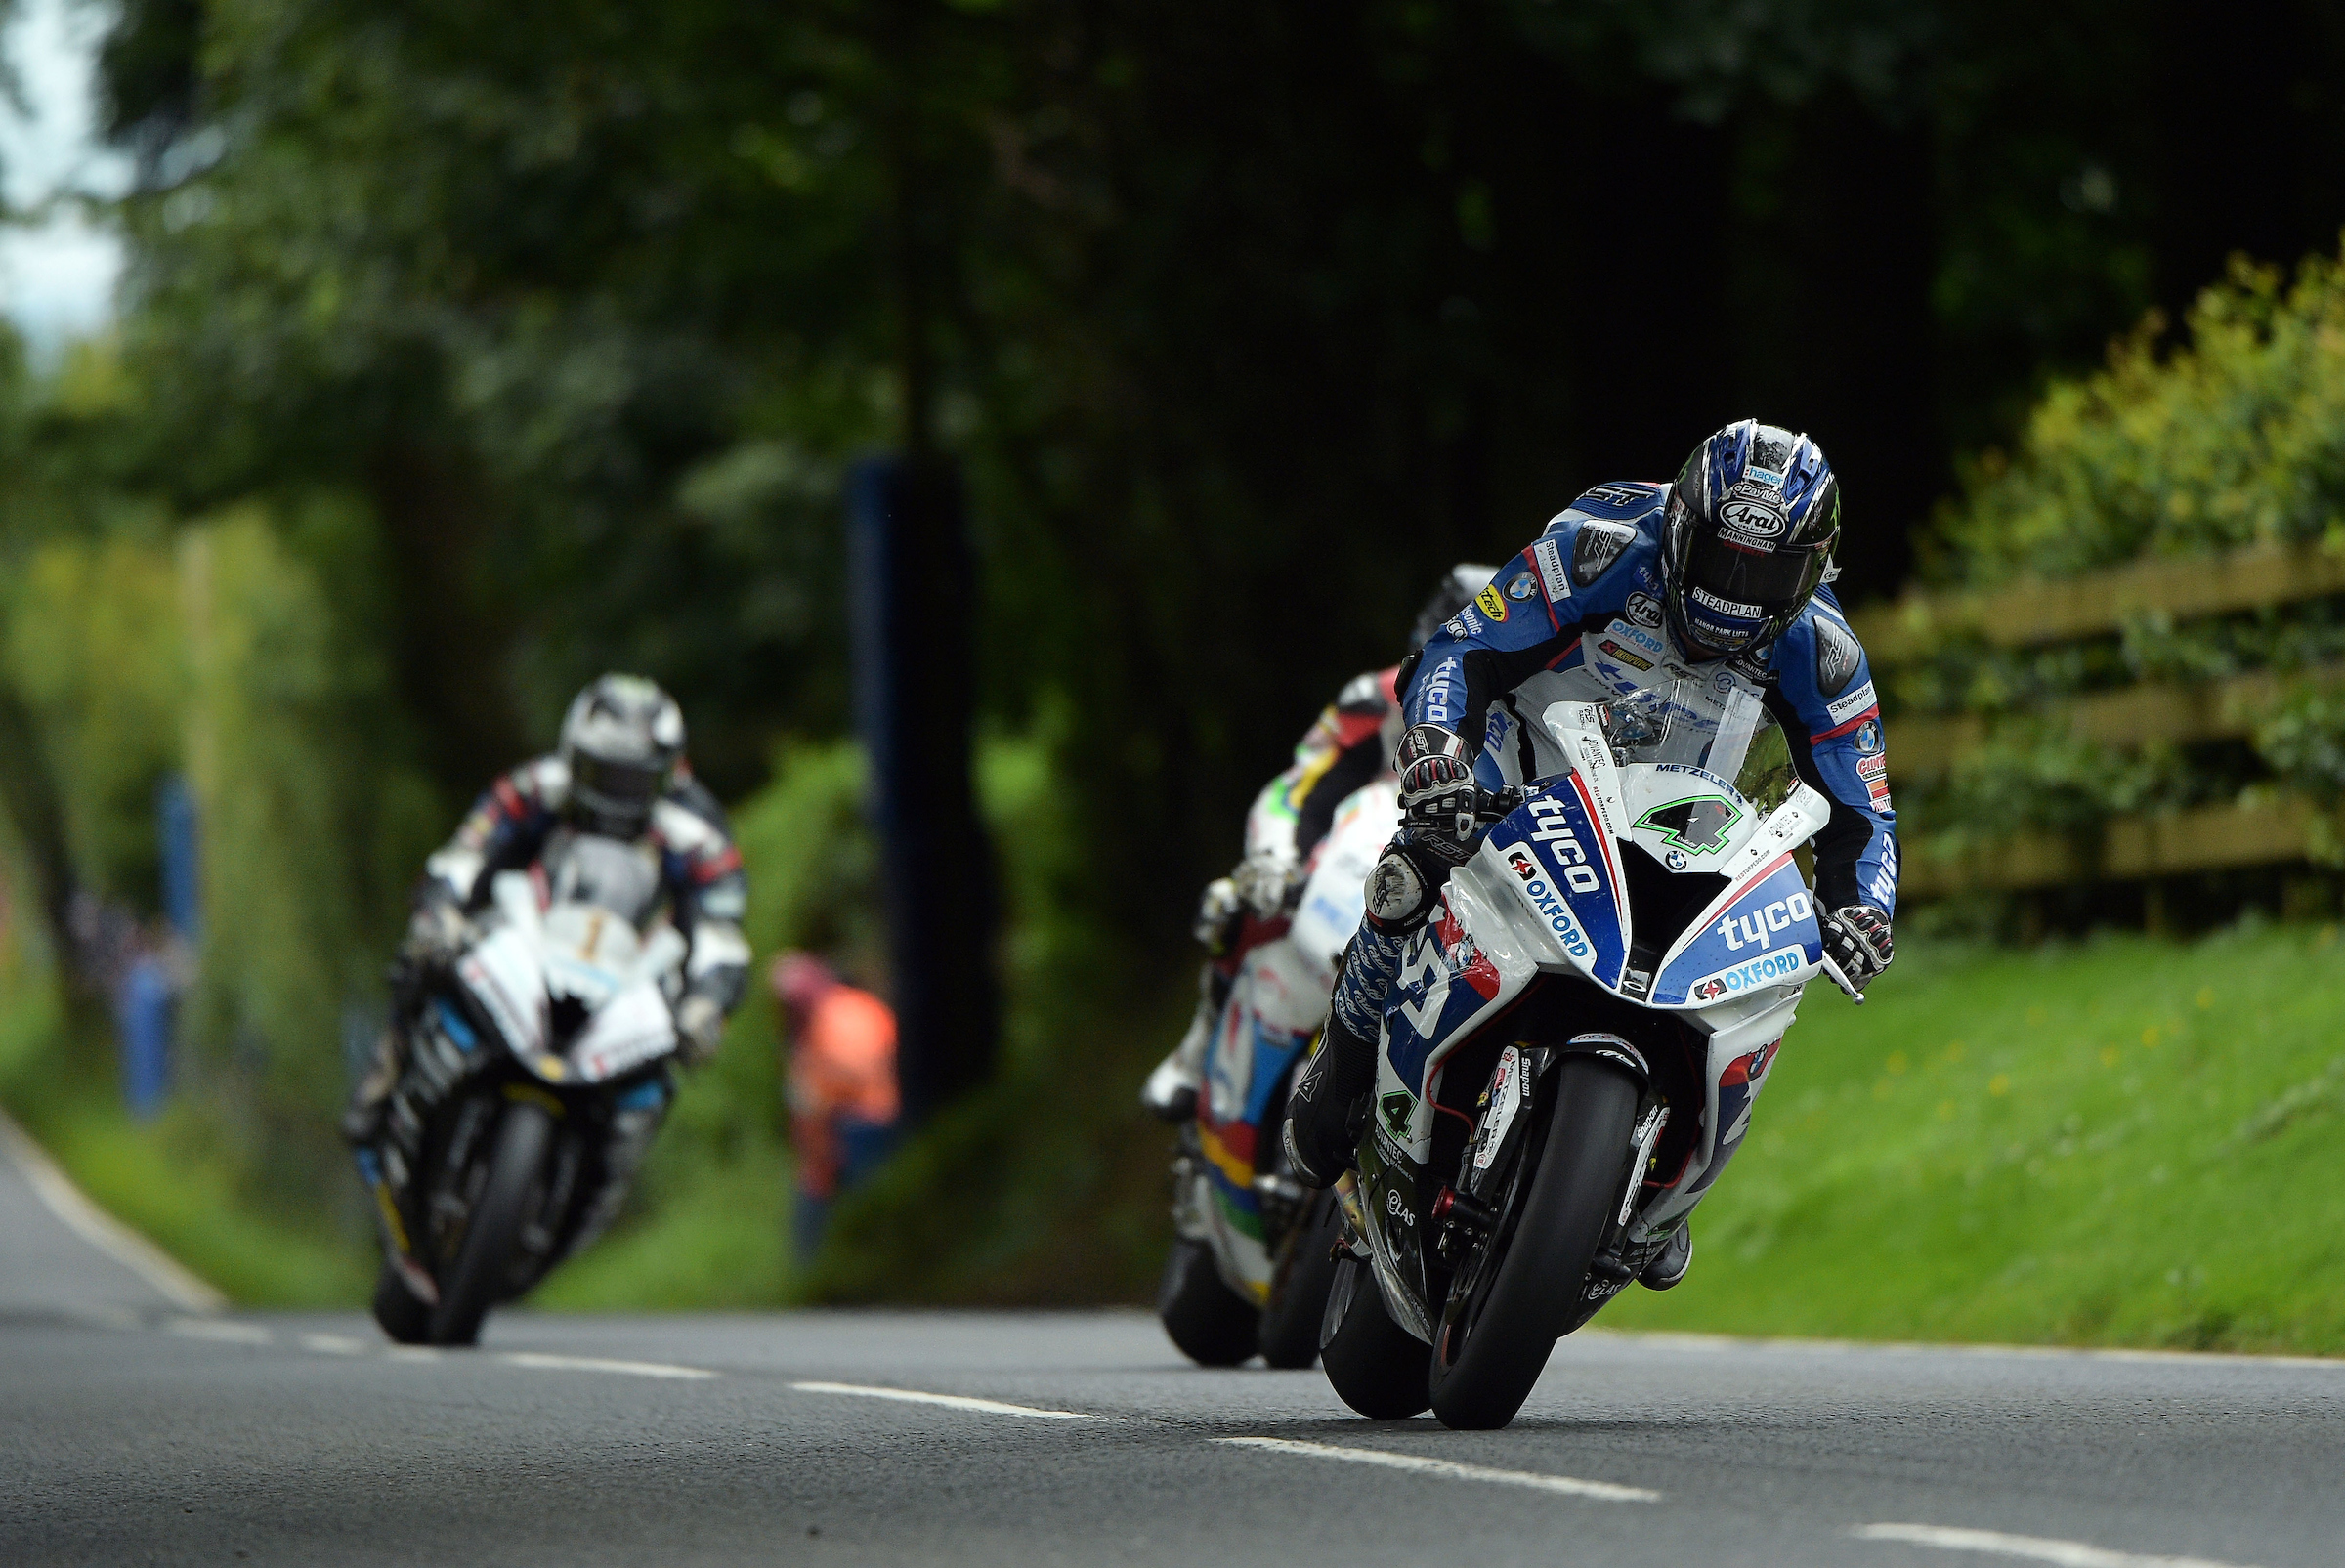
843	1099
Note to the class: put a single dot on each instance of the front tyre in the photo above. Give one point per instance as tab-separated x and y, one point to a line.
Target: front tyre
1211	1323
406	1319
1375	1365
1515	1294
514	1187
1300	1278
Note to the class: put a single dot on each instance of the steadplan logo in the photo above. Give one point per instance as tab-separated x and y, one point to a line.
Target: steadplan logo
1772	970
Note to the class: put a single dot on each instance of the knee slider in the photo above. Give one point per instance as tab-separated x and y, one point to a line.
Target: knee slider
1399	893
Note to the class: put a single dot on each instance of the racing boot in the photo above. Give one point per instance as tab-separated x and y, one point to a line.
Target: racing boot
1171	1092
1327	1106
1324	1110
1668	1265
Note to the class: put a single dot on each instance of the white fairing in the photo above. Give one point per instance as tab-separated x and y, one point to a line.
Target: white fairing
1277	1001
586	953
1501	925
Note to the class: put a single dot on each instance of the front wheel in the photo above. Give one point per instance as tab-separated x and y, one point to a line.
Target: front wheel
1211	1324
406	1319
1516	1292
514	1187
1302	1273
1375	1365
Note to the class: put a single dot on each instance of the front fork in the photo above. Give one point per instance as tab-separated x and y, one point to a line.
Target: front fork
1467	1213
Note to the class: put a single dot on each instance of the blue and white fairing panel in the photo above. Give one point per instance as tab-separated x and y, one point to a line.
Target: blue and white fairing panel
1759	934
1563	863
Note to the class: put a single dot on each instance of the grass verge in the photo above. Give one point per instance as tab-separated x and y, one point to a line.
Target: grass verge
2115	1142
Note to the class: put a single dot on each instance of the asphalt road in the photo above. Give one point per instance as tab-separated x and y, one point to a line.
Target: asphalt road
133	1431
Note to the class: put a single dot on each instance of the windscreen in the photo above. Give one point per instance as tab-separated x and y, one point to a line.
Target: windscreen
1729	734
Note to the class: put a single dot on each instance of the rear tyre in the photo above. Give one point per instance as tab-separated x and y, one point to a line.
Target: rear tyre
1300	1280
1211	1323
1375	1365
1515	1297
475	1282
407	1320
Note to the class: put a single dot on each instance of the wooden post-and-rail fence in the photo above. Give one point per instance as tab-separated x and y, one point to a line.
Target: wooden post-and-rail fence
2267	828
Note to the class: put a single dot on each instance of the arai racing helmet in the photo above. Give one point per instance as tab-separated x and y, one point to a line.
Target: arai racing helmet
621	739
1747	538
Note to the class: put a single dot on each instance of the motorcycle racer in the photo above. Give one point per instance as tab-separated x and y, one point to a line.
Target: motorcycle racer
1349	746
614	816
1717	577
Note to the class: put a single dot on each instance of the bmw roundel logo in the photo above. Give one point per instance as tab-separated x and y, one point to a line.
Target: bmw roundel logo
1868	737
1522	587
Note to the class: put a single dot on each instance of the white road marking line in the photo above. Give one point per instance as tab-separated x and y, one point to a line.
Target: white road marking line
1450	1469
632	1369
2040	1549
988	1406
94	1226
223	1329
332	1345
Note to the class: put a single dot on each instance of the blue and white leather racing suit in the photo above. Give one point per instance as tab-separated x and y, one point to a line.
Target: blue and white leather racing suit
1578	617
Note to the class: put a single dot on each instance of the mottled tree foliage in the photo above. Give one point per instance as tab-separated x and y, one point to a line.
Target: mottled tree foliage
1243	318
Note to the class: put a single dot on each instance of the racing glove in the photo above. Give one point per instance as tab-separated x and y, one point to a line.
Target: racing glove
1439	802
1267	881
1219	912
699	1028
437	931
1858	939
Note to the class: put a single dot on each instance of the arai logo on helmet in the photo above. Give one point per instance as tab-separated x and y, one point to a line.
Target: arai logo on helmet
1754	514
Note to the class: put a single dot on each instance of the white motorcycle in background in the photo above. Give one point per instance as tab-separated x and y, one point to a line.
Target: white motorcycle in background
1573	1048
544	1036
1252	1254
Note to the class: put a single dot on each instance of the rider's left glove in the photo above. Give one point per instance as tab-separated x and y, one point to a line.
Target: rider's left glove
437	931
700	1029
1858	938
1438	798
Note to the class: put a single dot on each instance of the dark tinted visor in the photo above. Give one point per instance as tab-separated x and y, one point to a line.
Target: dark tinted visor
615	785
1747	582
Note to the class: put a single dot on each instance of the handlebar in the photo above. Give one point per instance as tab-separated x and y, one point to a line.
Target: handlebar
1840	978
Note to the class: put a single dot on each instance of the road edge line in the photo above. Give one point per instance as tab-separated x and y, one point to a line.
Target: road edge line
75	1209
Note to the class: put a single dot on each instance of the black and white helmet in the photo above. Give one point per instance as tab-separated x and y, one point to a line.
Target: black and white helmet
1458	586
1748	536
621	739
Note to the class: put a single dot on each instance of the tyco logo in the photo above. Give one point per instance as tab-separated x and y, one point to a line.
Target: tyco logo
1555	831
1758	928
1493	604
1698	825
